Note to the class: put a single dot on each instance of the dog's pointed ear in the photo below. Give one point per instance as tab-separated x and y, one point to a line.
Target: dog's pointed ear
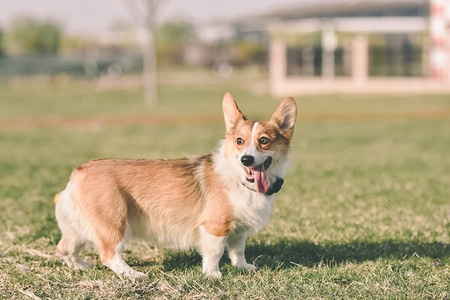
285	116
231	112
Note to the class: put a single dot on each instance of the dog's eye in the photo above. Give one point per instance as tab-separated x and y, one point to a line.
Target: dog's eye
264	141
239	141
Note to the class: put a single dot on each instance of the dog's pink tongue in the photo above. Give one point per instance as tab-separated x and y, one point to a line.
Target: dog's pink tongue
262	185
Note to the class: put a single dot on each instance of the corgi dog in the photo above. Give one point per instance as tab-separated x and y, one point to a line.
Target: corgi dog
208	203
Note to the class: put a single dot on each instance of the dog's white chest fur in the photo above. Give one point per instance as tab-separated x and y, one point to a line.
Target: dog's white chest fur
252	210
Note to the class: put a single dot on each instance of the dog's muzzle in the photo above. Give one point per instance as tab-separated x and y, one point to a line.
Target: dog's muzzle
257	175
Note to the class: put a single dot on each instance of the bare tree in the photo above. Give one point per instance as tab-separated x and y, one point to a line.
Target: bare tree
145	13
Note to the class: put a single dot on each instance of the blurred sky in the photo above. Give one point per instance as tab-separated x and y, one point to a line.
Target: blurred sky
90	16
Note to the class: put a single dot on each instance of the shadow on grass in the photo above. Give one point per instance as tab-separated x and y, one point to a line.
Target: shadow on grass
287	252
177	260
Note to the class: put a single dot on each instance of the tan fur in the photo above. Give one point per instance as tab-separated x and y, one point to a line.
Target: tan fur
200	201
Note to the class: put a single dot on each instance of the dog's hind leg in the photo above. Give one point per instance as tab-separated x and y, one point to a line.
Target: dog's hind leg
110	231
112	258
68	249
72	240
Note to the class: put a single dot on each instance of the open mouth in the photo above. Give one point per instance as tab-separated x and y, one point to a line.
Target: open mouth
258	176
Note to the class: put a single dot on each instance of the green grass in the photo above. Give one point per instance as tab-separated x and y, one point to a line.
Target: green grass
364	212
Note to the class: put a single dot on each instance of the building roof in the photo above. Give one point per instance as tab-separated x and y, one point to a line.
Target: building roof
351	8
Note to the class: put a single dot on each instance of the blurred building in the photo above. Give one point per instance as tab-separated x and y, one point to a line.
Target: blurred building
361	46
311	47
353	45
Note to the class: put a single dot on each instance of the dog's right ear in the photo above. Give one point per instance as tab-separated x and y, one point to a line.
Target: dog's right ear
231	112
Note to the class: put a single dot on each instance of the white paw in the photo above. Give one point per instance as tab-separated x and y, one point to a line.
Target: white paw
247	267
133	274
213	274
83	265
74	262
121	268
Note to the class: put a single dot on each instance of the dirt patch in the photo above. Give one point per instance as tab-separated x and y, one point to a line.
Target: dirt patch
441	114
99	122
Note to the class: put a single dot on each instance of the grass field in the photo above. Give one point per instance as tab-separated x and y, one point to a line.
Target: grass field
364	212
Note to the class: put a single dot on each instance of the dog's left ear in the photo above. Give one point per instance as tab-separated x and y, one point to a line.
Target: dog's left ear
285	116
231	112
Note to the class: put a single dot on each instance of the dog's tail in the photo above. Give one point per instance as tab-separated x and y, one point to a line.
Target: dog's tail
57	197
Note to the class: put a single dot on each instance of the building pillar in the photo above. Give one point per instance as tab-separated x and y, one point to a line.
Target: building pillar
277	64
360	60
329	44
439	35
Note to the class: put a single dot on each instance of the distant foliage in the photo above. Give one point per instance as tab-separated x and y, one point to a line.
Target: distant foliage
32	36
171	38
250	52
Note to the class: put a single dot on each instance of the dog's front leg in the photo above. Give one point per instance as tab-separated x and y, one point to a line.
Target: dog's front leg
211	248
236	251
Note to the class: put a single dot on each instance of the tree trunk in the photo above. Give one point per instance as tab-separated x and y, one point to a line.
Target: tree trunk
150	62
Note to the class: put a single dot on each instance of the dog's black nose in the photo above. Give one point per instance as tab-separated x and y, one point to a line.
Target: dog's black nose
247	160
